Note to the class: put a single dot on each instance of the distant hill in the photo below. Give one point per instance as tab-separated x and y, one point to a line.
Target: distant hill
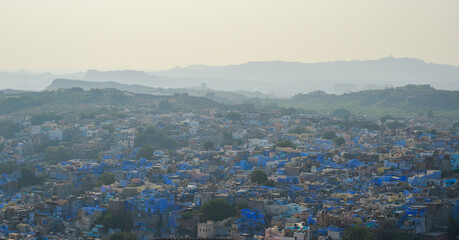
76	99
401	101
88	85
219	96
11	91
23	80
274	78
337	77
127	77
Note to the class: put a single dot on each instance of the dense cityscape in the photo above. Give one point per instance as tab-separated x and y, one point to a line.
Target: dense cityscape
229	120
142	173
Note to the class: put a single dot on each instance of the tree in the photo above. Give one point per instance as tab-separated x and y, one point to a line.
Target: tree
340	113
88	115
357	232
42	117
107	178
453	229
29	178
92	154
208	146
339	141
233	116
123	236
270	183
9	167
156	138
395	125
288	111
285	143
228	137
145	152
115	220
8	128
404	236
387	117
329	135
57	155
165	106
258	177
217	210
109	127
299	130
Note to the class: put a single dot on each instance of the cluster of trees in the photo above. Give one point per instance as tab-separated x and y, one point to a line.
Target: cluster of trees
8	128
233	116
121	220
284	143
339	141
259	177
55	155
106	178
395	124
109	127
29	178
69	97
357	232
208	146
219	209
299	130
330	135
341	113
165	106
153	137
114	112
9	167
288	111
46	116
145	152
123	236
229	140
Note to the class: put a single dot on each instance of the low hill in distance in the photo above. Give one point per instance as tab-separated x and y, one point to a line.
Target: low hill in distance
272	78
220	96
400	101
331	77
76	99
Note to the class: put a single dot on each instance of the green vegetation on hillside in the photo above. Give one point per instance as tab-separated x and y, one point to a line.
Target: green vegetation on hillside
400	101
8	128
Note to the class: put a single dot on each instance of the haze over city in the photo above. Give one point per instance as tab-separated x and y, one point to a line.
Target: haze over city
231	120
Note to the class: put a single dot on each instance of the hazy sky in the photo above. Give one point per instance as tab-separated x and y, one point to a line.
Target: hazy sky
58	35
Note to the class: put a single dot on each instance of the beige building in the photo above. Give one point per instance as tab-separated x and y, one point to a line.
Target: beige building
207	229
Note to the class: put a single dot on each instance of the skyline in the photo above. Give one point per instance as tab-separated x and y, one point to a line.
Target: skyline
54	36
198	65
